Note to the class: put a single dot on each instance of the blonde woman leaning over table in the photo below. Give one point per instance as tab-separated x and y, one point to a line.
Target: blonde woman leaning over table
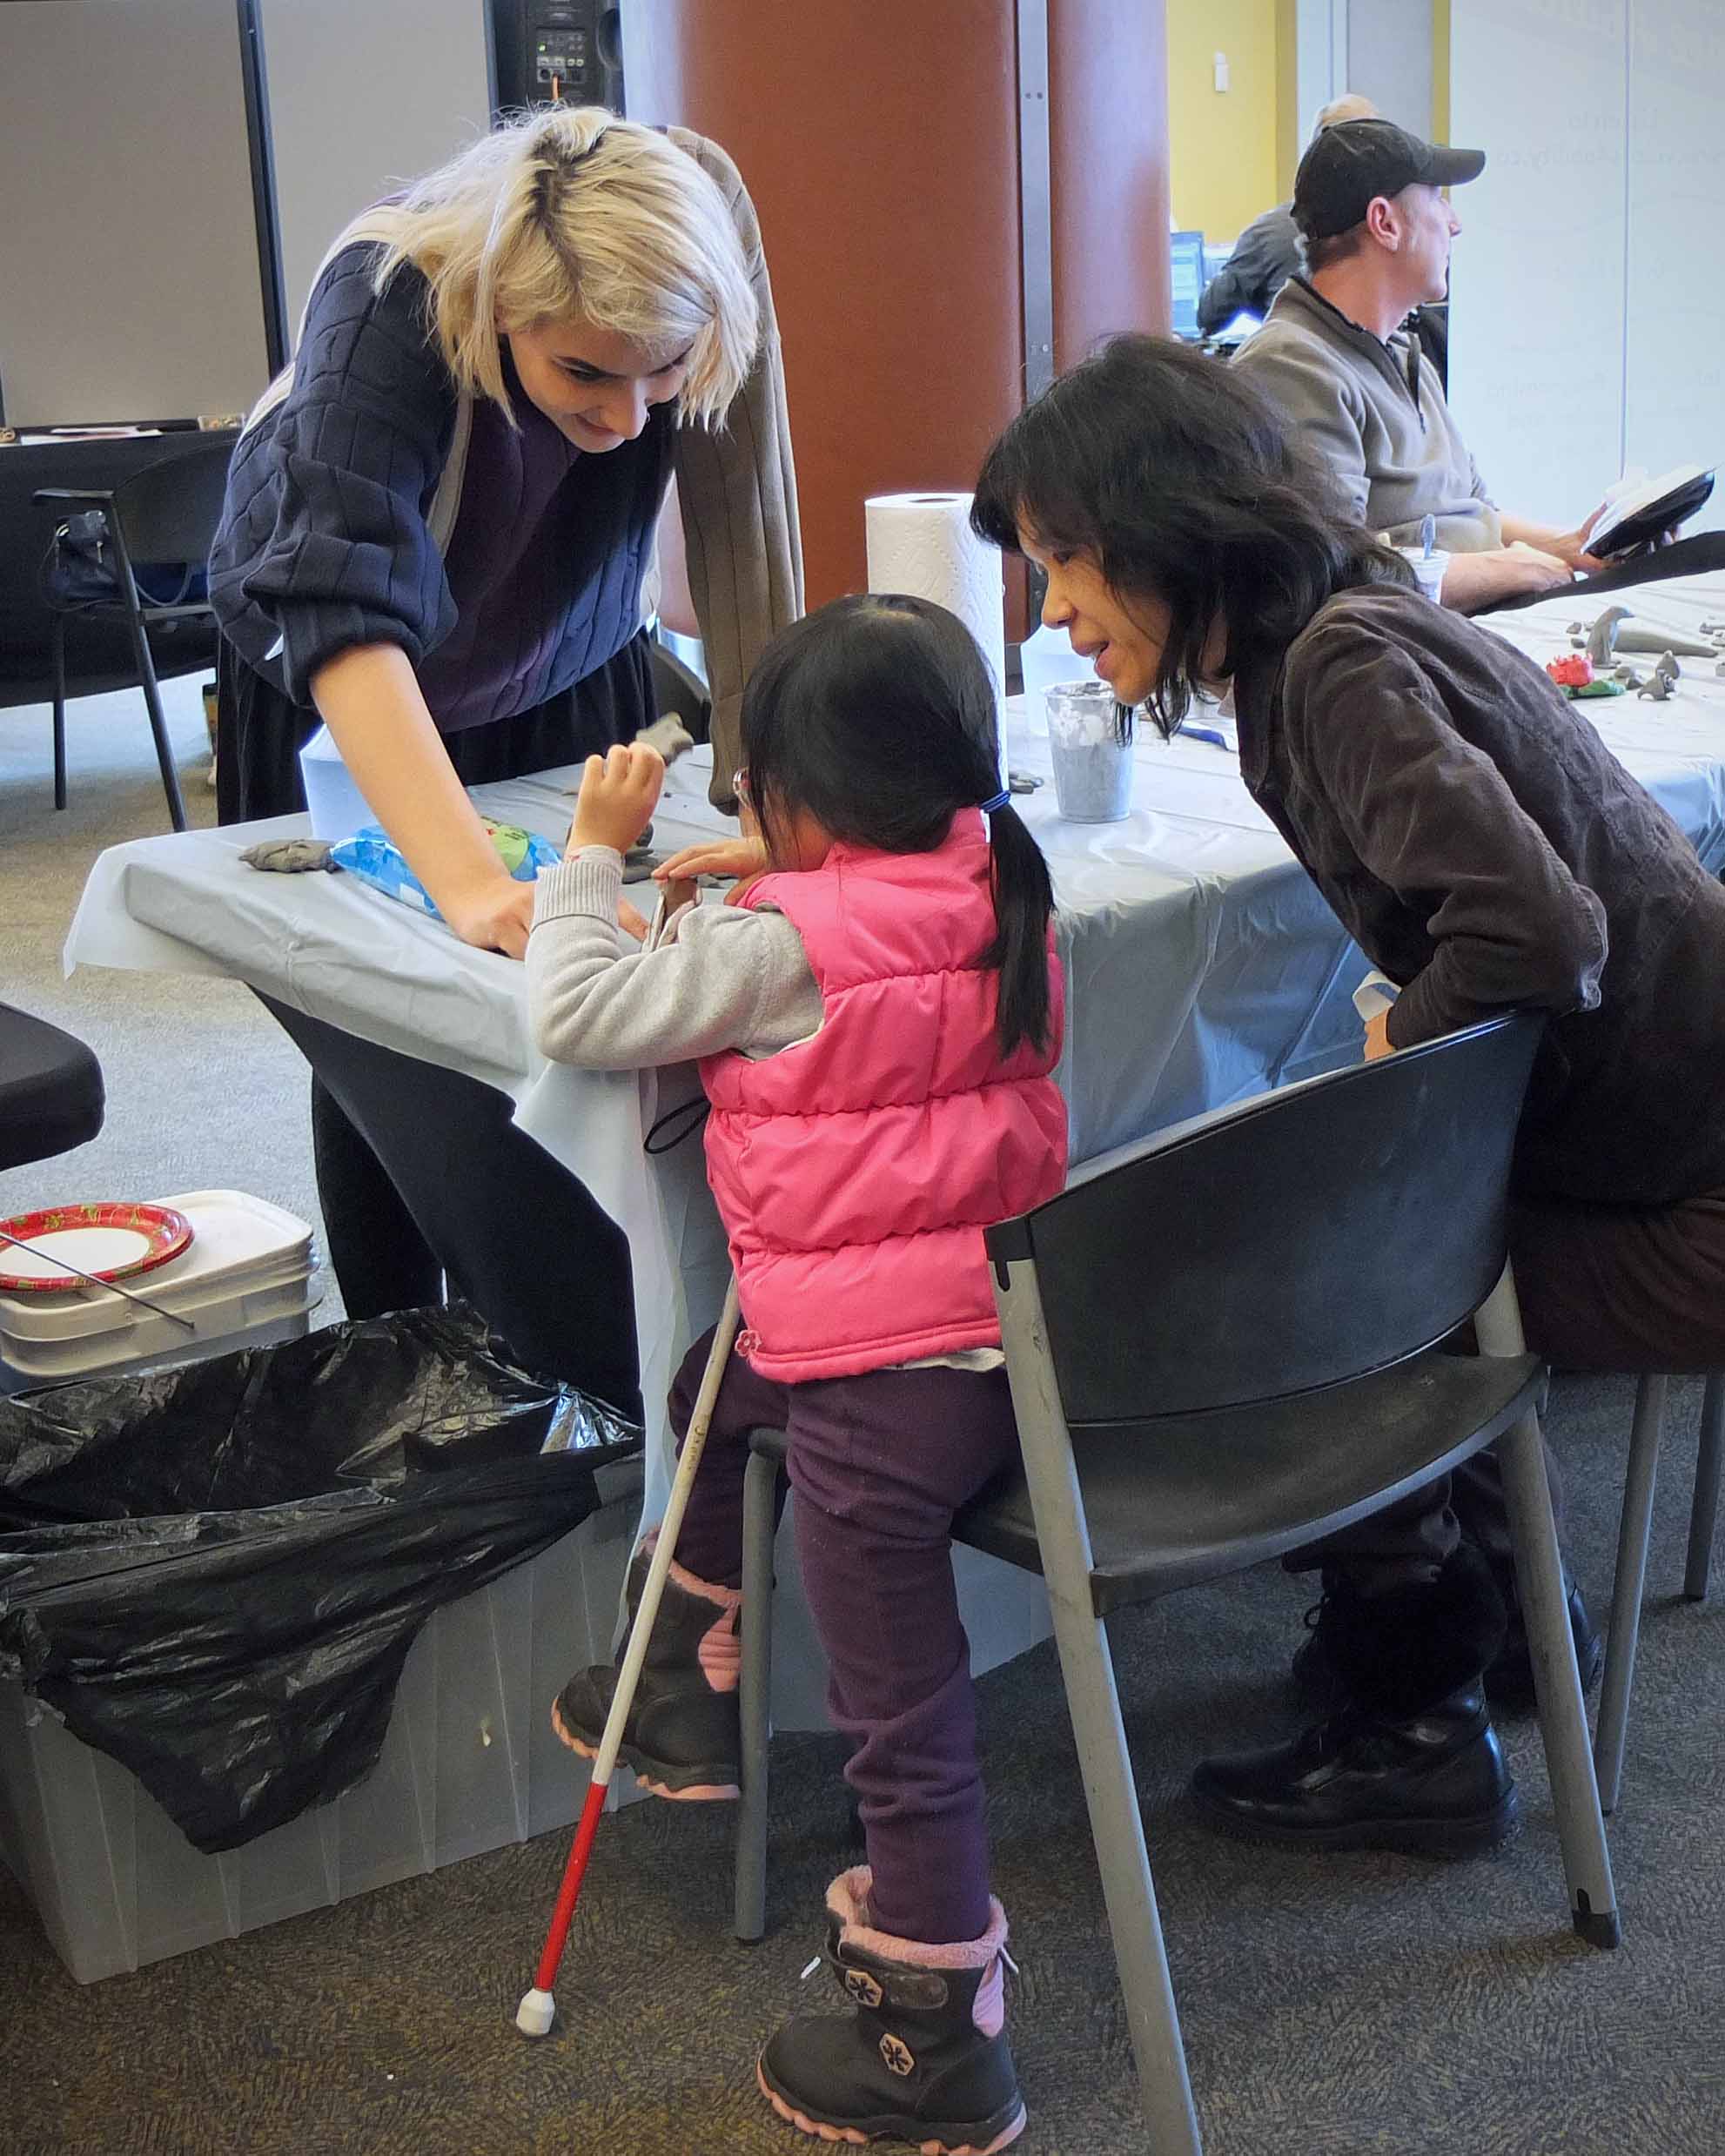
439	521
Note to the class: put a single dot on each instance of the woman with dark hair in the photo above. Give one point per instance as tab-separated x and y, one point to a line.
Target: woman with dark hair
877	1013
1488	853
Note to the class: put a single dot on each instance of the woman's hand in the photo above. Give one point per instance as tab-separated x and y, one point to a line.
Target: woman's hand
493	916
1378	1041
619	793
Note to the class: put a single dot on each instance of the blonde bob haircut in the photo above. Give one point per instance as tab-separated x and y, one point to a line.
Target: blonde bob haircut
576	212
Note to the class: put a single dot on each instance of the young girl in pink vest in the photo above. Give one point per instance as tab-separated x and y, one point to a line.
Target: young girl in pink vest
877	1011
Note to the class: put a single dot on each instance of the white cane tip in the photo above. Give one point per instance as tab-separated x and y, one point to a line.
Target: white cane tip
536	2012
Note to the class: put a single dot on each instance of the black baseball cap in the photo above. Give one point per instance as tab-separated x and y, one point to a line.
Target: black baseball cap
1350	164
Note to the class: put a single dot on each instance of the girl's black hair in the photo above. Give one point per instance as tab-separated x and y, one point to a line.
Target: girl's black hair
1185	484
875	714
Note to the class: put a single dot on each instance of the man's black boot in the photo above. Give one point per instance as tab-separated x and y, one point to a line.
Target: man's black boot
1434	1783
1509	1680
922	2055
1410	1761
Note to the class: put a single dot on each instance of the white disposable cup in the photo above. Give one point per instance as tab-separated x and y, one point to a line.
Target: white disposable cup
1428	567
1093	765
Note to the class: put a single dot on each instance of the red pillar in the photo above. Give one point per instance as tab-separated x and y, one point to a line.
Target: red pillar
881	145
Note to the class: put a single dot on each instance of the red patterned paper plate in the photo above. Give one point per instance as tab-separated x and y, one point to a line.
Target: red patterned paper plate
127	1239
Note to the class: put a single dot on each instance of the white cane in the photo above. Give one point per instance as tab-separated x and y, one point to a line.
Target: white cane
538	2009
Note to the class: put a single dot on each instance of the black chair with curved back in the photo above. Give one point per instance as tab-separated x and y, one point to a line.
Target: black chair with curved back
166	513
1223	1343
51	1089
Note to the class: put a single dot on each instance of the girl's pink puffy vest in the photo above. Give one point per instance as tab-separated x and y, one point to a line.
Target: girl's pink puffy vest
856	1172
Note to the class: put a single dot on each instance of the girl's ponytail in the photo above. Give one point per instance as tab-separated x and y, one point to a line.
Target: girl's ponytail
1024	899
876	714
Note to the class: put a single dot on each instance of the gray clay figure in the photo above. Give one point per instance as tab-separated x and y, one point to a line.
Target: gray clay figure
641	860
1659	640
668	735
1668	668
290	856
1657	687
1022	782
1602	636
1627	675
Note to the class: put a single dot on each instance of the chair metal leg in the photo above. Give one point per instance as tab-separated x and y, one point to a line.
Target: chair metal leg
153	700
1629	1588
1557	1685
1117	1825
58	642
1704	1510
756	1688
1128	1891
1545	1608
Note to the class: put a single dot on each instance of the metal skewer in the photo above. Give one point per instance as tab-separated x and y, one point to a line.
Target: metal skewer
90	1280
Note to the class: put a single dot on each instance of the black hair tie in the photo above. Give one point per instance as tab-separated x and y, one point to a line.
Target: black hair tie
680	1123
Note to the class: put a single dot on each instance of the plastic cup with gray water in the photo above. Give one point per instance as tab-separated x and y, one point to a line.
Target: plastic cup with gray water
1090	737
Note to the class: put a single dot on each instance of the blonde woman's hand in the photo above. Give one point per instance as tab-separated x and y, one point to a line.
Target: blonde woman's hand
495	915
620	791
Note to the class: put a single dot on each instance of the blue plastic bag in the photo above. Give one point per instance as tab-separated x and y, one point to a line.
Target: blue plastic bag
373	856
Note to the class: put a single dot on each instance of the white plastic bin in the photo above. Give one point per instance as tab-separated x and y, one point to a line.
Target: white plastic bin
246	1278
470	1764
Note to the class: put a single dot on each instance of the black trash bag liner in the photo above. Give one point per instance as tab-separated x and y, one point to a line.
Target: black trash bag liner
214	1574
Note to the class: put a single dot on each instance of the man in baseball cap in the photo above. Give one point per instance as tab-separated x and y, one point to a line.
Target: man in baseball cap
1333	353
1348	167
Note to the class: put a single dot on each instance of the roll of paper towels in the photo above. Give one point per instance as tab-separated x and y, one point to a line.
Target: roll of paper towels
338	808
922	544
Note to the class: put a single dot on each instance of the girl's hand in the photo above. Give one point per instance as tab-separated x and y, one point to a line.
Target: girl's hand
739	857
1378	1041
619	794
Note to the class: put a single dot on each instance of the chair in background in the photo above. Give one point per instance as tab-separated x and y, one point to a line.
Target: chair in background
51	1090
678	691
1634	1533
1263	1371
166	513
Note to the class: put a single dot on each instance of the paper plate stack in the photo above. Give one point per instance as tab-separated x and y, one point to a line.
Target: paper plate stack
245	1277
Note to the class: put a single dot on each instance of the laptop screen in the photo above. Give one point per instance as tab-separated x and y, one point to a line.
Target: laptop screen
1185	258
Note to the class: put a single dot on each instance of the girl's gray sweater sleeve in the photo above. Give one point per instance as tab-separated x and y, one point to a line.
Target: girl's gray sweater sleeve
726	978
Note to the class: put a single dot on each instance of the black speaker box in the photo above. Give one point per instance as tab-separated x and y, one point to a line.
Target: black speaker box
557	51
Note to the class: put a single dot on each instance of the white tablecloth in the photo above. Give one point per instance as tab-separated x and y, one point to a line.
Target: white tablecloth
1202	964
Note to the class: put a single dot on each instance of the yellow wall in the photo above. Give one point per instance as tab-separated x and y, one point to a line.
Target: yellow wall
1222	147
1440	70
